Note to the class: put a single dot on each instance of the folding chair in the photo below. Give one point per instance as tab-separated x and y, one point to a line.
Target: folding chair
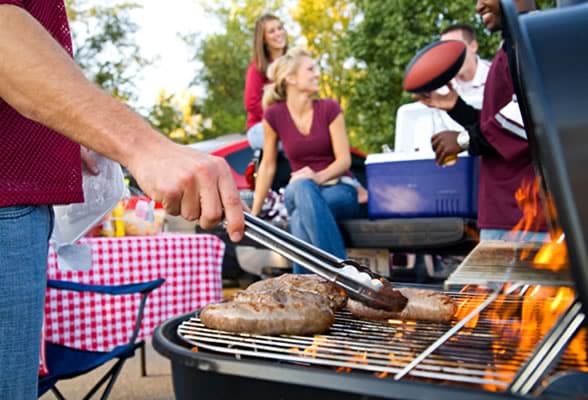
65	363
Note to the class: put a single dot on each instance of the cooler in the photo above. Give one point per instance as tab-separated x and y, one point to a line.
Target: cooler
410	184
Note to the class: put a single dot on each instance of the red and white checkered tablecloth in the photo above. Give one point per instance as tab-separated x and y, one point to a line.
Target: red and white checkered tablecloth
190	265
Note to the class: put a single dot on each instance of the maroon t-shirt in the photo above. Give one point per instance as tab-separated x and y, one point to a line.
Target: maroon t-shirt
501	174
38	165
253	94
314	150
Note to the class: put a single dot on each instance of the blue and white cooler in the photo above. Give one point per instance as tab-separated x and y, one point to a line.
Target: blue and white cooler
411	185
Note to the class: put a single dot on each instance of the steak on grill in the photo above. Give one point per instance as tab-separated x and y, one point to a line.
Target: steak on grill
283	310
307	282
423	305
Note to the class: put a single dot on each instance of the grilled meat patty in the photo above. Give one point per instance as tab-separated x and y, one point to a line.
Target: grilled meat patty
306	282
283	310
423	305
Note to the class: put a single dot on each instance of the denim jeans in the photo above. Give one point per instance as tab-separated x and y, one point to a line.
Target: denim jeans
513	236
255	137
24	238
314	211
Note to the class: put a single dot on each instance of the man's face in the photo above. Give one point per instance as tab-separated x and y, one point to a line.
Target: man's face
489	10
491	15
471	49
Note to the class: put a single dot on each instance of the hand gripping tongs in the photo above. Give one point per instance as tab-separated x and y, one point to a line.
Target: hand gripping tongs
358	281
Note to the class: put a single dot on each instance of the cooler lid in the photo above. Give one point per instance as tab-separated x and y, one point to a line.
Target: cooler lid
404	156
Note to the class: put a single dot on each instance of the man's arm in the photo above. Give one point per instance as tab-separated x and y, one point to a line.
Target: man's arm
41	81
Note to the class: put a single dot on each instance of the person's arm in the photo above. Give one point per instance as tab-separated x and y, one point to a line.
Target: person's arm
267	167
478	145
41	81
253	93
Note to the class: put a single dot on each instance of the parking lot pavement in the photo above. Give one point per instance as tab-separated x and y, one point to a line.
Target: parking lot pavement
157	385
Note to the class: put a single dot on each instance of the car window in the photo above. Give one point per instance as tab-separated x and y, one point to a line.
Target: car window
238	160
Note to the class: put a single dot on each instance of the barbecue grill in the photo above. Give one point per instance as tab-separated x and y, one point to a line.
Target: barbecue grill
516	334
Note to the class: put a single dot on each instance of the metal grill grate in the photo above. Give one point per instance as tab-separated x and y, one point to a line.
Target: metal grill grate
486	352
492	262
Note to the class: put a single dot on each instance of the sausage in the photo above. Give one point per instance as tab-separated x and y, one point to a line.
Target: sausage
271	312
423	305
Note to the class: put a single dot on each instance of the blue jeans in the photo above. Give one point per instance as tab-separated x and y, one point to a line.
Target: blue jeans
314	210
503	234
255	137
24	238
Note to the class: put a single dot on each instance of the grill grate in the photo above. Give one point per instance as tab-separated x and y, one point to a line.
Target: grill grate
492	262
486	352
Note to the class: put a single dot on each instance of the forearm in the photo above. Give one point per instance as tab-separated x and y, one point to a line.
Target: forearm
463	113
42	82
335	170
478	145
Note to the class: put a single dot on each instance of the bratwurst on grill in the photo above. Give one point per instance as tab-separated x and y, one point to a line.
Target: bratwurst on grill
423	305
283	310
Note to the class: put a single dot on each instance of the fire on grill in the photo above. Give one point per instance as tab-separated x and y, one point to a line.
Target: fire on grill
493	335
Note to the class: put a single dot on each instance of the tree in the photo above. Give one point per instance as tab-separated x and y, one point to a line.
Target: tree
225	57
383	42
178	117
325	25
104	46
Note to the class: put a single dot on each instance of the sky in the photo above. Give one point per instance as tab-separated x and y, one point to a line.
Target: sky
160	23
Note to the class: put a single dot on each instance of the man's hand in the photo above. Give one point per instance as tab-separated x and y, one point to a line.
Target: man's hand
445	144
192	184
437	100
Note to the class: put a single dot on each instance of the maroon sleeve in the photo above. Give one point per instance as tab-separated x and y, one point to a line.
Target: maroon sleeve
507	144
13	2
254	82
269	116
332	110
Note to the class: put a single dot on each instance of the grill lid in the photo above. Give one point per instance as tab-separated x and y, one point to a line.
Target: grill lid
550	67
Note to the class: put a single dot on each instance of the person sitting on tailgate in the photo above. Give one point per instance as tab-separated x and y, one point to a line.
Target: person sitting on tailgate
312	132
270	41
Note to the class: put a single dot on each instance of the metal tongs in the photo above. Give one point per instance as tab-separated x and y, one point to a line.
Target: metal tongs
358	281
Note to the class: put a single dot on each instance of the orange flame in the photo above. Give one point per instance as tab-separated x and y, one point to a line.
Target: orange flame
552	255
360	359
577	349
527	200
528	323
312	350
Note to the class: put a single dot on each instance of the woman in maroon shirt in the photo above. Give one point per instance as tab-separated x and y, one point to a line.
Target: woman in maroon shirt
321	190
269	42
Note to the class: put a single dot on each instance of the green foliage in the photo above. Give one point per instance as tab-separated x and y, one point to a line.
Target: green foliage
325	25
225	57
382	43
178	117
105	46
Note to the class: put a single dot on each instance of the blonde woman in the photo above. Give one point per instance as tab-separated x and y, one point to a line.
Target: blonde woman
270	41
312	131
